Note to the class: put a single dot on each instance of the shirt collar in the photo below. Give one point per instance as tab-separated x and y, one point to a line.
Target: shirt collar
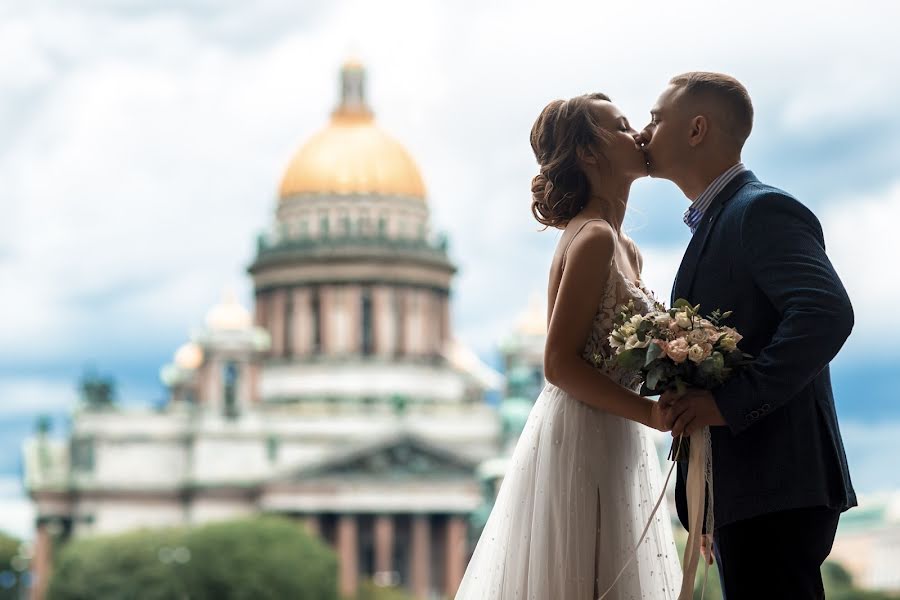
695	211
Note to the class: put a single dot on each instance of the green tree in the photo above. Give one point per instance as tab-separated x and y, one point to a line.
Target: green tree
9	576
259	558
839	585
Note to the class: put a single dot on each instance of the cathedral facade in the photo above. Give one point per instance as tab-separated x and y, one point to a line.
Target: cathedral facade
342	400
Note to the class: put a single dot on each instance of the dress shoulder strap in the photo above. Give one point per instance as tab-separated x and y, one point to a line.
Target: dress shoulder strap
566	251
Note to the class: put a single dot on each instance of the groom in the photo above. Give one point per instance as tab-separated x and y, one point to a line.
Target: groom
779	471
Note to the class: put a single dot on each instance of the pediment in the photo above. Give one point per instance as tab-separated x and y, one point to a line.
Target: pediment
399	457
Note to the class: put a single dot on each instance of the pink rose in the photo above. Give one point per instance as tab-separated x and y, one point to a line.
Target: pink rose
696	336
732	332
677	350
699	352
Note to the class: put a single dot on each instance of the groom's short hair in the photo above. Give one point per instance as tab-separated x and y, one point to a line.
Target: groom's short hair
725	90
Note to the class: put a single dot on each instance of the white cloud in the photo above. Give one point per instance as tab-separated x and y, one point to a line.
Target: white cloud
862	242
869	446
34	395
16	510
147	139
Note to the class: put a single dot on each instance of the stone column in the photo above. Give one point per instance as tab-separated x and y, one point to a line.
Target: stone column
384	545
261	317
42	561
455	554
383	320
253	377
326	306
302	323
276	322
420	557
348	552
445	318
400	310
353	315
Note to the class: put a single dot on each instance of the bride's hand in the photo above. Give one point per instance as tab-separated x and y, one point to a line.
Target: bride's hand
658	417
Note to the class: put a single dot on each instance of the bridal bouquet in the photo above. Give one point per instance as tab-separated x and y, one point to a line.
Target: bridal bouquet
676	348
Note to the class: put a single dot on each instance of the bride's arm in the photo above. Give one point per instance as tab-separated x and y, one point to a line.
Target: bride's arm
585	273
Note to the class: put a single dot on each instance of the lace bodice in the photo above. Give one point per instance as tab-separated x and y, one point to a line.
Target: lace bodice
618	292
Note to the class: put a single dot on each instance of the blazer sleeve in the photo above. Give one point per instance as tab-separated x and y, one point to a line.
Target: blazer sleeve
784	249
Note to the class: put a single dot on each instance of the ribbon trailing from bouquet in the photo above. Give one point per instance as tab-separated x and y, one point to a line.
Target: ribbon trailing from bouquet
699	496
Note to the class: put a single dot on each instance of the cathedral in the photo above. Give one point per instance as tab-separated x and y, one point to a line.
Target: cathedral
342	400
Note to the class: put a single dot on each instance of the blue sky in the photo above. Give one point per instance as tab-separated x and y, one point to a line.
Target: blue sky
143	142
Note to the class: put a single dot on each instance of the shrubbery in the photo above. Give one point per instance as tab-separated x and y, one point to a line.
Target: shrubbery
258	558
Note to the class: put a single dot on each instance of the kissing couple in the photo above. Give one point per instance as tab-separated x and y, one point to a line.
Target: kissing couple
583	482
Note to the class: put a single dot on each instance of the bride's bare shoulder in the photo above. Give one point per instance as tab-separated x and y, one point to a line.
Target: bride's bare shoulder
592	238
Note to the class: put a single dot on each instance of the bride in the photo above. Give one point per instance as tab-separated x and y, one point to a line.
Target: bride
584	477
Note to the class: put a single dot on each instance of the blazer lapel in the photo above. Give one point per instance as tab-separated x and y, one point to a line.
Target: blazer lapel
684	280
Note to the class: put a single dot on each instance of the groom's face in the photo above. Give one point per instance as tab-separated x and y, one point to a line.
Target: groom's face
662	143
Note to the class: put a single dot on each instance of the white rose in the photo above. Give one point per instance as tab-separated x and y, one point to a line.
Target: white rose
627	330
682	320
663	320
726	342
696	353
633	342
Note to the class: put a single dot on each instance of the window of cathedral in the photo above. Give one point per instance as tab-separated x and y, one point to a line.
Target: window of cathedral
363	223
344	220
382	226
315	310
289	326
367	325
230	382
273	444
82	455
323	224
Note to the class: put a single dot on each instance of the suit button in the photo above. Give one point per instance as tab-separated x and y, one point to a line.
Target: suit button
766	408
755	414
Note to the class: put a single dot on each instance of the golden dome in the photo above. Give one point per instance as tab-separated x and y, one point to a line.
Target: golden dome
352	155
228	315
189	356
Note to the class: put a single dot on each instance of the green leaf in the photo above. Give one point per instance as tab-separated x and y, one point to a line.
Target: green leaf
654	376
681	303
631	359
653	352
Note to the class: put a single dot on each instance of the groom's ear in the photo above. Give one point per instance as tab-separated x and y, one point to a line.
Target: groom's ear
698	131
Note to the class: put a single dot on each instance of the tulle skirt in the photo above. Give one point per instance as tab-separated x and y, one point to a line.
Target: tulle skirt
580	487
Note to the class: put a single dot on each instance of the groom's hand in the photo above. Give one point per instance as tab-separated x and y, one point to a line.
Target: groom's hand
692	410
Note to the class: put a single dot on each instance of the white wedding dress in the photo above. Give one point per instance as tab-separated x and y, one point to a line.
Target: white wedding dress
580	487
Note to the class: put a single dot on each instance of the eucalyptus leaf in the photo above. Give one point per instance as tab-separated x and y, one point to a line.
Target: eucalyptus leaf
653	352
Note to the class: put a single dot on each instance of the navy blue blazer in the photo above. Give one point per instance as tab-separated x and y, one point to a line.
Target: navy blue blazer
760	253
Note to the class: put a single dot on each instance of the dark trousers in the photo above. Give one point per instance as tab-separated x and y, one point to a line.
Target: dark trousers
775	556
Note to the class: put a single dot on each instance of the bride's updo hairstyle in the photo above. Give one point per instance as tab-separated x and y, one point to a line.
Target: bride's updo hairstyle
564	129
